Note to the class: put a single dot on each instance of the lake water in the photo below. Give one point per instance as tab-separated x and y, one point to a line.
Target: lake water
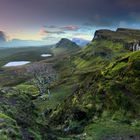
46	55
21	63
16	63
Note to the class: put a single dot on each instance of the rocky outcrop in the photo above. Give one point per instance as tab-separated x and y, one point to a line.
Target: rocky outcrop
129	37
2	39
133	46
103	34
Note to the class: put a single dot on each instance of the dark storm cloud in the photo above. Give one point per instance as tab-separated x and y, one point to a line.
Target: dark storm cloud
94	12
102	12
130	3
114	13
33	14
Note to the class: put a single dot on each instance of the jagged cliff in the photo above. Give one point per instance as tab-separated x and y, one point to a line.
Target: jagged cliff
130	38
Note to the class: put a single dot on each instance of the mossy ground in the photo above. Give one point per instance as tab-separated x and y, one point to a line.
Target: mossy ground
110	85
96	95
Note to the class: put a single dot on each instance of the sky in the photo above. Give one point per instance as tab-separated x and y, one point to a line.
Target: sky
50	20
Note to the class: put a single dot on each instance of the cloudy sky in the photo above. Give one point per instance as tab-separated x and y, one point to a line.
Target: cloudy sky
50	20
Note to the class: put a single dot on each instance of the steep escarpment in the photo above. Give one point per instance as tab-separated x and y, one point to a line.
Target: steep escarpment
128	37
121	34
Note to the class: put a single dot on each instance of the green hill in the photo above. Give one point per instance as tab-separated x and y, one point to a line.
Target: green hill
96	95
65	46
105	88
66	43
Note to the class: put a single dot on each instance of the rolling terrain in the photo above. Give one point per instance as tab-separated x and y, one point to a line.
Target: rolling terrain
96	95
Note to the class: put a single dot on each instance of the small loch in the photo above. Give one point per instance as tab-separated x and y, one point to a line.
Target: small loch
16	63
46	55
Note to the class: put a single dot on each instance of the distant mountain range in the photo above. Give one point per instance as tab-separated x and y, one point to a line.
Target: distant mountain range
20	43
3	40
81	42
121	34
76	42
66	43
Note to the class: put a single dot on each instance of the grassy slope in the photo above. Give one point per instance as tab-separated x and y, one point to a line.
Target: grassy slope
5	52
33	54
24	92
9	128
107	85
91	82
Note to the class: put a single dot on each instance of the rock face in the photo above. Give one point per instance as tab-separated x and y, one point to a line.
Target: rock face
2	39
129	37
121	34
103	34
66	44
133	46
